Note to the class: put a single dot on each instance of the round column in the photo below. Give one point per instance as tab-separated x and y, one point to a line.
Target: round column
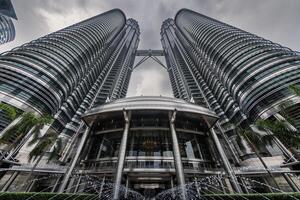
121	157
177	157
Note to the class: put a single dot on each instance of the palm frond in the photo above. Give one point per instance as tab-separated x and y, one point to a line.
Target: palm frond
39	149
295	89
8	134
56	150
9	110
264	125
39	124
46	119
44	142
280	129
268	139
18	130
252	136
249	135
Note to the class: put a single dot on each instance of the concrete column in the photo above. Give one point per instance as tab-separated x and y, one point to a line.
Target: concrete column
55	184
10	181
287	153
127	184
31	184
101	188
77	185
121	157
100	149
70	185
172	186
284	150
197	187
177	157
229	144
222	185
228	185
244	185
74	161
225	161
290	182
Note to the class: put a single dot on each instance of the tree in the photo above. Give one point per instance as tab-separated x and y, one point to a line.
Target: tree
295	89
273	128
28	122
255	140
10	111
279	129
43	143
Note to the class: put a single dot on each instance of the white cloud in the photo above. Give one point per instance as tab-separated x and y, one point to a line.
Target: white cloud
149	79
56	21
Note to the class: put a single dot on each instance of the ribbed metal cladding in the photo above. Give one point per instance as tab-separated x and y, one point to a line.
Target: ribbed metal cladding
7	30
61	73
240	73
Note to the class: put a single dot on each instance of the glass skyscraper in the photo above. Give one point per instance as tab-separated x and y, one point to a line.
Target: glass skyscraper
66	72
7	29
241	76
222	78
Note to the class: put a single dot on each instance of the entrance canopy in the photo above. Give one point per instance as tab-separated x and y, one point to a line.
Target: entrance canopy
150	103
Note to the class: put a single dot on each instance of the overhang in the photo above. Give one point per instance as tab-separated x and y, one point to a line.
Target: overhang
150	103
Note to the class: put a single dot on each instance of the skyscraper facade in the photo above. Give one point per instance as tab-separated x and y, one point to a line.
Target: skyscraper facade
7	29
222	78
239	75
67	72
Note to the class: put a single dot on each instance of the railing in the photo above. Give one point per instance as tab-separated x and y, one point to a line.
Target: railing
110	164
43	167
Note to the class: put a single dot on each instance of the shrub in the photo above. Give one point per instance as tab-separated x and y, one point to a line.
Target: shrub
43	196
262	196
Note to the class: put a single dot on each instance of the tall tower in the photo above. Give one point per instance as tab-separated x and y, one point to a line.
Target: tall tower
7	29
80	75
68	71
241	76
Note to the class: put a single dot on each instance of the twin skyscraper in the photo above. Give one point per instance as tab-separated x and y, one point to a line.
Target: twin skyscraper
80	76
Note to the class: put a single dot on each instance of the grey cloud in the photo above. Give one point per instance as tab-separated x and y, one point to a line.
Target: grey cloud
276	20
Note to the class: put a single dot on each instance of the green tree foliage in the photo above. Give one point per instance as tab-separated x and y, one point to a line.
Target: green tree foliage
10	111
295	89
27	122
44	196
43	144
280	130
249	135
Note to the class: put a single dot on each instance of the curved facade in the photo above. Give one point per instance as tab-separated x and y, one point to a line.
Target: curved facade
154	159
66	72
7	29
80	76
240	74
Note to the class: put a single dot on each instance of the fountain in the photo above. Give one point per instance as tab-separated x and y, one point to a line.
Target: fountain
202	188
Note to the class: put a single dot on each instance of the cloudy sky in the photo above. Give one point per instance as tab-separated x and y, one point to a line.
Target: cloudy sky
276	20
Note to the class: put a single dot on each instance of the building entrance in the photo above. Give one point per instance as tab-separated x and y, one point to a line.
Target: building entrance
150	186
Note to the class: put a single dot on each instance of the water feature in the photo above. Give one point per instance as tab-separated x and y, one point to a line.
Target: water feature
197	189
